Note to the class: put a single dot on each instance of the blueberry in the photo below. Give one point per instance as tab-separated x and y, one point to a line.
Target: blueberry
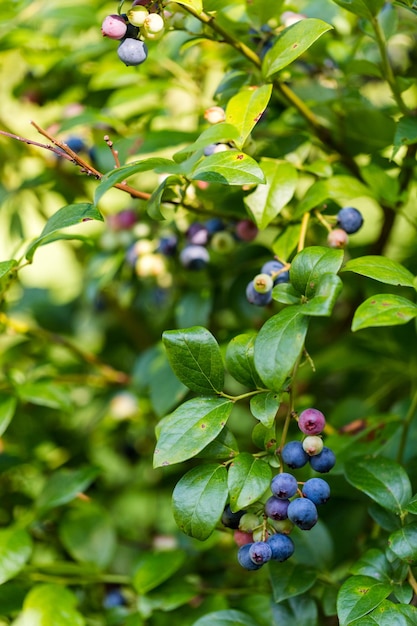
113	598
303	513
194	257
324	461
132	51
254	297
168	245
276	508
316	490
244	558
76	144
272	268
282	547
260	552
311	422
294	455
197	234
349	219
214	225
246	230
230	519
284	485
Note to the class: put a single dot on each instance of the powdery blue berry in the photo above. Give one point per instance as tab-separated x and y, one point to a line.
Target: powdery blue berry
282	547
254	297
303	513
132	51
194	257
316	490
230	519
274	266
276	508
284	485
294	455
244	558
324	461
349	219
260	552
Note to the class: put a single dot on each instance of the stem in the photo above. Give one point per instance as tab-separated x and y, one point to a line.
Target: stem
249	394
412	581
303	232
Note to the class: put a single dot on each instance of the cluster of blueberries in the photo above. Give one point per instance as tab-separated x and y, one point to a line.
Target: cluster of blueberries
349	221
142	22
221	238
292	503
259	290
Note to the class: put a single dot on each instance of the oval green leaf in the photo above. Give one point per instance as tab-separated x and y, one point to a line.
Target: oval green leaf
248	479
195	357
239	359
7	410
264	407
190	428
383	310
309	265
199	499
403	543
244	110
49	605
229	168
383	480
15	550
64	486
290	579
382	269
154	568
228	617
358	596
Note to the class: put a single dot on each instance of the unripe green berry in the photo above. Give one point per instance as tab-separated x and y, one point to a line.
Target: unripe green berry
222	242
263	283
137	15
248	522
259	534
313	445
153	24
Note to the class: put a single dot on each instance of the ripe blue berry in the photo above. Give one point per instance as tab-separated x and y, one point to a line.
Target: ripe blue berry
294	455
282	547
75	143
316	490
132	51
194	257
284	485
113	598
168	245
311	422
324	461
272	268
244	558
260	552
303	513
230	519
276	508
254	297
349	219
214	225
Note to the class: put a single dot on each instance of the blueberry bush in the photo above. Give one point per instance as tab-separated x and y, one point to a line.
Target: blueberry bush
208	384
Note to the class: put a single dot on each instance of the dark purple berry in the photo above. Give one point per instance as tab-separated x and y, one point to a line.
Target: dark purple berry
276	508
246	230
311	422
244	558
349	219
132	51
194	257
284	485
168	245
197	234
324	461
282	546
230	519
303	513
260	552
272	268
316	490
254	297
294	455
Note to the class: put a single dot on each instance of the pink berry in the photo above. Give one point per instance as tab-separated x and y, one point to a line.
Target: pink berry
114	27
241	538
246	230
311	422
337	238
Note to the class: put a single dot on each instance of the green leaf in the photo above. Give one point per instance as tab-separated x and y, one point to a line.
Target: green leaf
383	310
239	359
7	274
382	269
403	543
153	207
328	289
228	617
291	43
194	308
383	480
115	176
388	614
278	346
218	133
45	393
248	479
15	550
339	188
373	563
190	428
229	168
286	294
199	499
244	110
290	579
195	357
405	133
64	486
268	200
310	264
224	446
88	534
154	568
197	5
358	596
69	215
49	605
264	407
362	8
8	406
412	505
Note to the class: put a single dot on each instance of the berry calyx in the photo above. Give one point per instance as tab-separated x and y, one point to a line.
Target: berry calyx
311	422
